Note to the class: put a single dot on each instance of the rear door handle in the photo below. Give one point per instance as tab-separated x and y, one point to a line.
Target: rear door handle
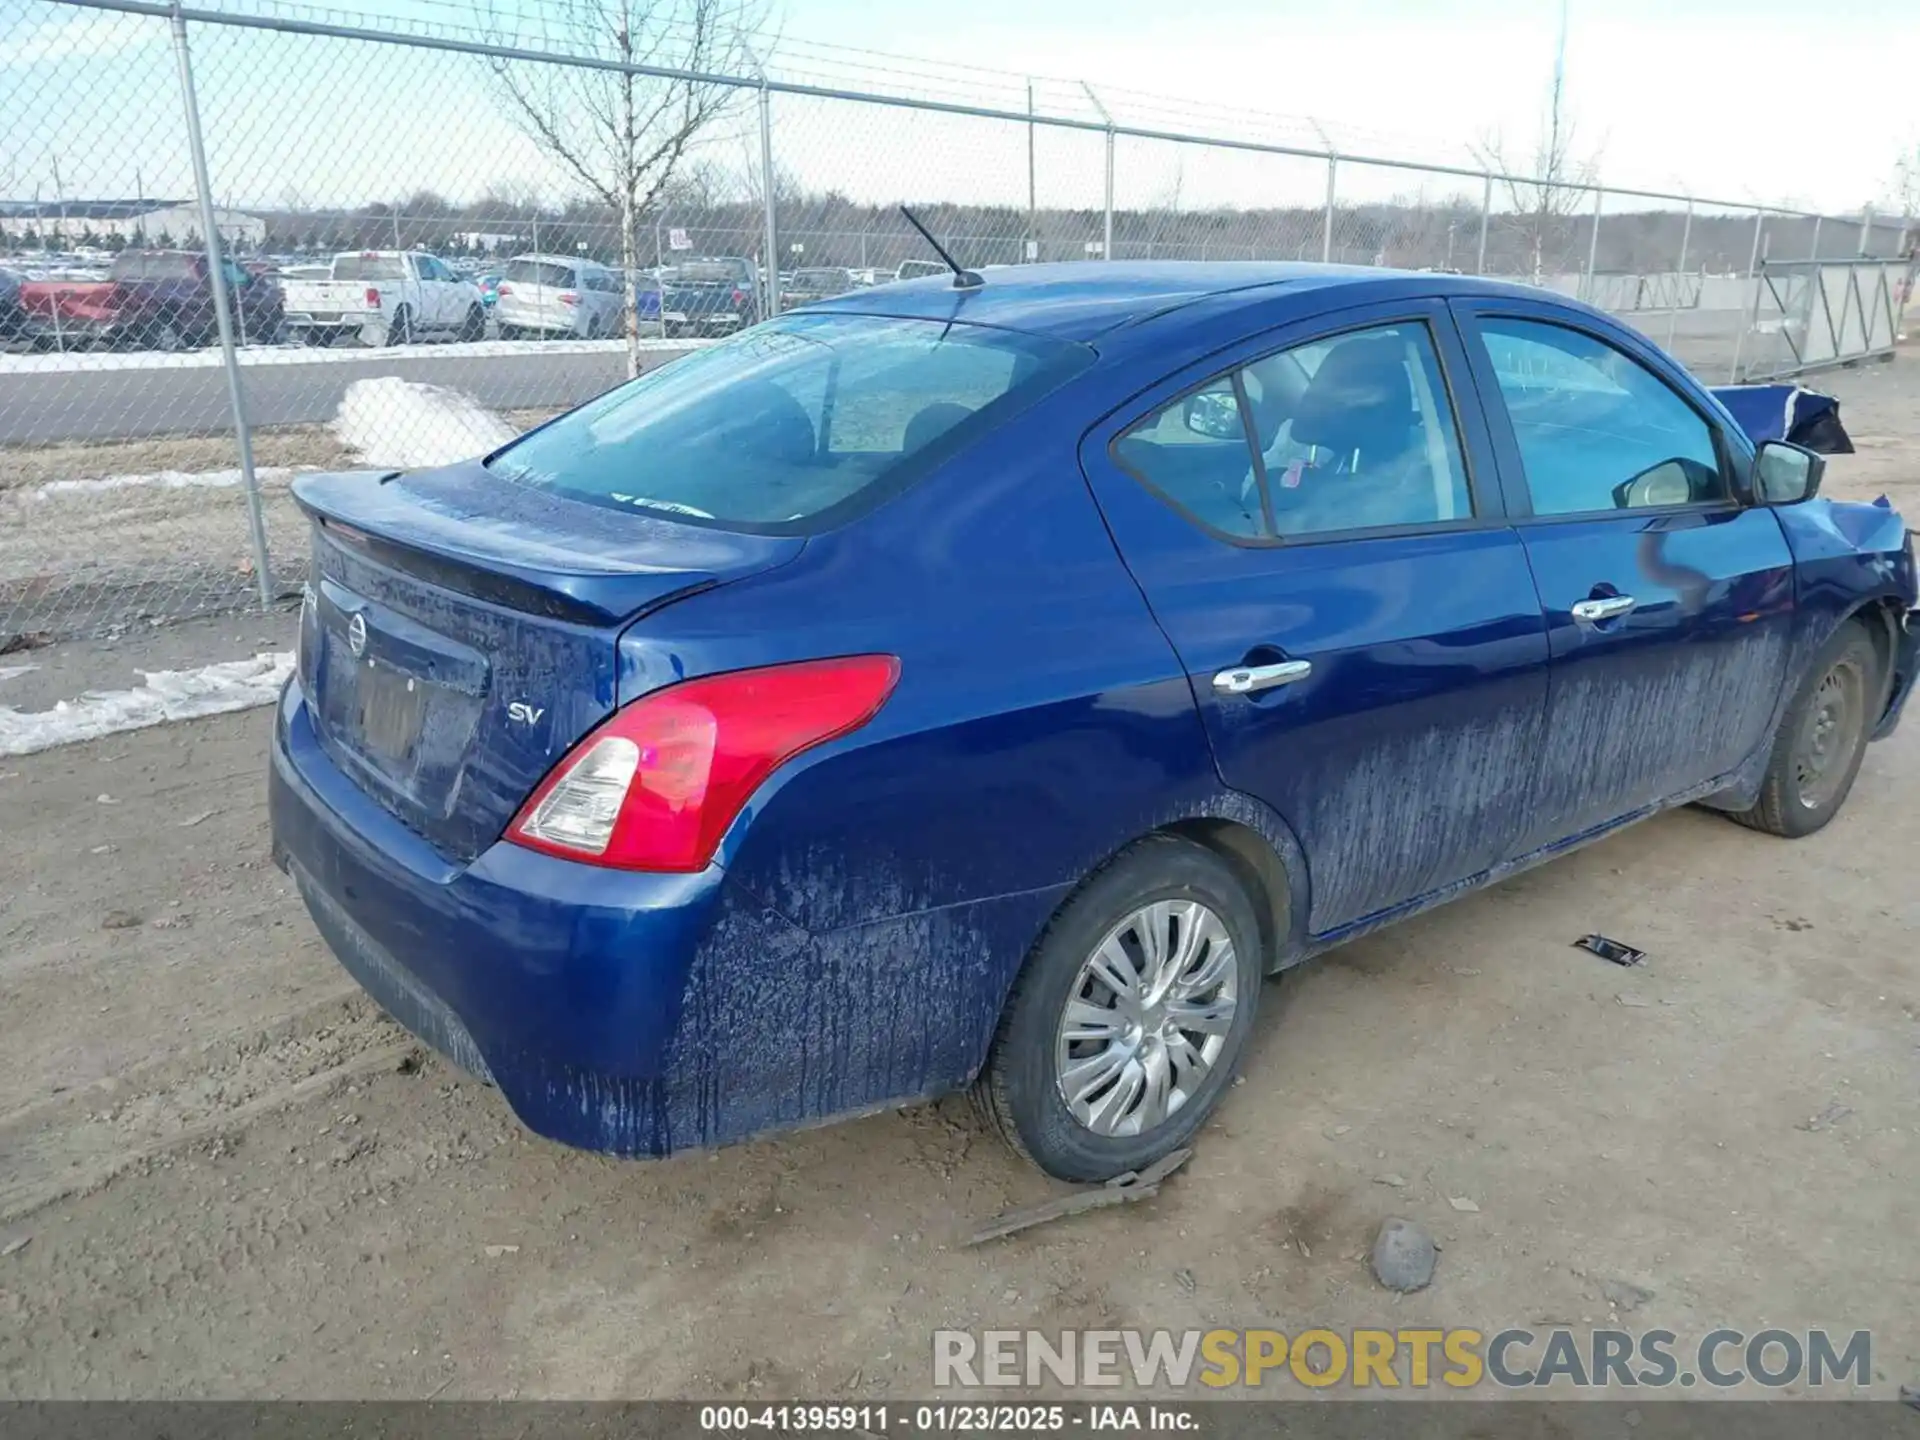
1246	679
1591	612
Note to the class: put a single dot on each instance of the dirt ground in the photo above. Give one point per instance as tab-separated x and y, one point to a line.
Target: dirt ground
223	1173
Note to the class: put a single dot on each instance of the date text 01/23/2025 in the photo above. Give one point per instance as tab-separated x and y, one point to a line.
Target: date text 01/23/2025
961	1418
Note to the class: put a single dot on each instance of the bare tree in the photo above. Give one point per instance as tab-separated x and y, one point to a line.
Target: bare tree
1544	207
623	132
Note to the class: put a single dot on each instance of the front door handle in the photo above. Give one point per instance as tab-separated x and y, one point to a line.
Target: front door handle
1246	679
1611	607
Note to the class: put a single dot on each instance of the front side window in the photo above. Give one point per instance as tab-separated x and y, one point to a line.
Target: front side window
1596	429
778	426
1353	432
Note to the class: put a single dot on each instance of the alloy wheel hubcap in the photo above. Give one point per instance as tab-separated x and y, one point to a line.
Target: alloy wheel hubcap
1829	735
1147	1018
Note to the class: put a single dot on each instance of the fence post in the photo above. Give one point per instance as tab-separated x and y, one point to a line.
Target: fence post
1326	221
1106	245
1813	251
223	315
1032	246
1752	313
1866	229
1593	243
1680	274
766	181
1486	215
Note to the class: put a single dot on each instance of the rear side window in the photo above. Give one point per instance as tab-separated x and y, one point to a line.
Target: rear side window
1353	432
788	426
1596	429
538	272
369	267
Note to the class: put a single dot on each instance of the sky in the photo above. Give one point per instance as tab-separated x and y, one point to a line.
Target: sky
1764	100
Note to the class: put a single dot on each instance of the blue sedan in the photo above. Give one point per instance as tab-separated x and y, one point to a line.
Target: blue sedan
988	685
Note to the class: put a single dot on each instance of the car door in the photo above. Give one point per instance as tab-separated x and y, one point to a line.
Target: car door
1669	602
1314	524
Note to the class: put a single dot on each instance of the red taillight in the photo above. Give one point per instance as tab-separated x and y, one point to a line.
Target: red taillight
739	296
567	297
503	289
373	298
657	784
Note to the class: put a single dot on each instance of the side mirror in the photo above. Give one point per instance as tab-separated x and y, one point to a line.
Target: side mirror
1785	474
1664	484
1214	414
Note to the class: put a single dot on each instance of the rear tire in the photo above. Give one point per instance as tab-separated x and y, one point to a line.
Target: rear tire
400	328
1126	1082
475	326
163	335
1822	737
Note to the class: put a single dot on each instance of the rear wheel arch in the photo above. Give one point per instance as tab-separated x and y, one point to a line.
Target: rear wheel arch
1261	872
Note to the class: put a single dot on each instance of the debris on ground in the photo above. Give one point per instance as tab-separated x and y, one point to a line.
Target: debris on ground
494	1252
1121	1190
1624	1294
1463	1204
195	819
1610	949
1827	1118
119	920
1398	1182
1403	1256
14	1247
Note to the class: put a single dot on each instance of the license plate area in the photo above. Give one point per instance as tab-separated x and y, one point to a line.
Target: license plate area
391	708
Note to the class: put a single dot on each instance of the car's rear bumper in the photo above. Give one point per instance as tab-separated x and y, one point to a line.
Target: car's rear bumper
638	1014
1906	665
560	982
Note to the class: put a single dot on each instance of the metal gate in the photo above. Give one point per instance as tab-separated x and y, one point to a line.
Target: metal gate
1817	314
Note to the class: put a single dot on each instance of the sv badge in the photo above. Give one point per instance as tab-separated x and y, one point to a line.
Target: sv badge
521	713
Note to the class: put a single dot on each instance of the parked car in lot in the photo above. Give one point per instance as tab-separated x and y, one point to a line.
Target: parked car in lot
990	692
150	300
919	269
13	315
489	287
545	296
807	286
710	297
386	297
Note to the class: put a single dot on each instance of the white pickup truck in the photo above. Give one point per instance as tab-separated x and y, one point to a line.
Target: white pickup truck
386	297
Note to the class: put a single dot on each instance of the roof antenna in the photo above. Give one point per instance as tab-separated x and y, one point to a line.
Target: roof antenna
962	279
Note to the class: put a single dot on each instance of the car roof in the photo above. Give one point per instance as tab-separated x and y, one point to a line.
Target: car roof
1083	300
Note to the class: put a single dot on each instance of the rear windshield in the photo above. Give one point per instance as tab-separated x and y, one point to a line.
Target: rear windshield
706	272
153	265
538	272
369	267
787	426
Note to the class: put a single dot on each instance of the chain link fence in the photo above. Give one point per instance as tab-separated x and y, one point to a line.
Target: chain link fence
430	236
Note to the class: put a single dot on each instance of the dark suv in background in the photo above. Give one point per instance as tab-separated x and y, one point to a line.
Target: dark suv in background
710	296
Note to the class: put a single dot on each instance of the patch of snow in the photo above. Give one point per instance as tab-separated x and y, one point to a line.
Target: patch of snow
13	672
67	362
163	479
166	695
403	425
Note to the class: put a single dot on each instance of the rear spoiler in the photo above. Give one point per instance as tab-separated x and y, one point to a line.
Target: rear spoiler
1787	412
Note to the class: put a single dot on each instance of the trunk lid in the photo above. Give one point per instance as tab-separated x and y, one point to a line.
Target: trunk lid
460	632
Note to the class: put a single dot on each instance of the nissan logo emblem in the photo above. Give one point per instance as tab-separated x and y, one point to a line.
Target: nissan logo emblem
357	636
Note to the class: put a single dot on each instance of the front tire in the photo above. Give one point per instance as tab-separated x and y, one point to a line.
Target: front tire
475	326
400	328
1822	737
1130	1016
